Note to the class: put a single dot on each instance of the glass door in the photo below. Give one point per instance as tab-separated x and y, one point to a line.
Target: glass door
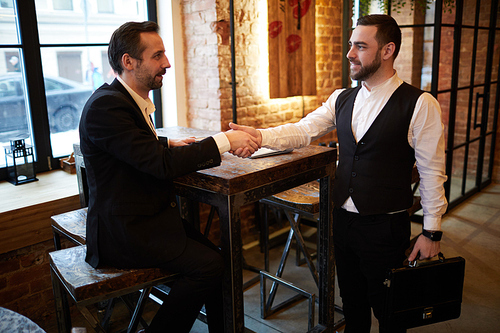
469	51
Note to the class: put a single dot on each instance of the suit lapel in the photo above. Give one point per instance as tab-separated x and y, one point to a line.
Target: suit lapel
118	86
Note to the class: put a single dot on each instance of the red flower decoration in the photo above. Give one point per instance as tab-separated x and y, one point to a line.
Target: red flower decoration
275	28
304	7
293	43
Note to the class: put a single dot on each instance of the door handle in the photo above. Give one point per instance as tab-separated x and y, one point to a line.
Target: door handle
478	96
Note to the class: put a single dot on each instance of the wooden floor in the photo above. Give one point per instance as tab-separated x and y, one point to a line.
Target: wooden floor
472	230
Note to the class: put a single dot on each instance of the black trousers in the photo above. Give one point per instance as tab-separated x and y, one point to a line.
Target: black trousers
365	248
202	267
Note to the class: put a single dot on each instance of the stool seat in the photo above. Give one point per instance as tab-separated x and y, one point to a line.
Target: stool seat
72	225
303	198
88	285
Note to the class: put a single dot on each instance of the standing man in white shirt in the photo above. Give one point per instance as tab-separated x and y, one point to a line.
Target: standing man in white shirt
384	126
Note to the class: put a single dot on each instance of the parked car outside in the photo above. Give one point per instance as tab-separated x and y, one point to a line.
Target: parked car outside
65	101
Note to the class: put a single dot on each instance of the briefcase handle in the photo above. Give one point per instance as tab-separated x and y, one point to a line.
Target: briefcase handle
416	263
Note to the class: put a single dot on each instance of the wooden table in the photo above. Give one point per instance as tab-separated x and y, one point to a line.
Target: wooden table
238	182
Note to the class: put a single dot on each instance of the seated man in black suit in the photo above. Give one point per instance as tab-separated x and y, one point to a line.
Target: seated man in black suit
133	218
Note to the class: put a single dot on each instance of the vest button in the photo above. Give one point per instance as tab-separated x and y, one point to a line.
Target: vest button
356	157
351	190
173	204
353	174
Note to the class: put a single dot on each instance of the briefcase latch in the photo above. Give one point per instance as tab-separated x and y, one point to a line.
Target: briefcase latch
427	314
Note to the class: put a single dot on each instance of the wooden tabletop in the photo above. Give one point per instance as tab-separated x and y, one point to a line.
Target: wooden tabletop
236	174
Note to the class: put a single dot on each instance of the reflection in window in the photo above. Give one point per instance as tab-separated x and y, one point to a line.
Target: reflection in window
6	4
14	119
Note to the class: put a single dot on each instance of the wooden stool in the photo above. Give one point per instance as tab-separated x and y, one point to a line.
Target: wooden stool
87	285
71	225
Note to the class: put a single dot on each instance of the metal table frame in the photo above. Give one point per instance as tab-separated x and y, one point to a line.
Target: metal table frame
238	182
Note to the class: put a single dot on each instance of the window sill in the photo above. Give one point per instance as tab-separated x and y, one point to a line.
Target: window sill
25	210
51	185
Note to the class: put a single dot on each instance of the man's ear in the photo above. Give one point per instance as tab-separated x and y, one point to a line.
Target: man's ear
388	50
128	62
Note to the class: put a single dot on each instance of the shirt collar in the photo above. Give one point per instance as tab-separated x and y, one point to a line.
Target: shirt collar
388	85
146	105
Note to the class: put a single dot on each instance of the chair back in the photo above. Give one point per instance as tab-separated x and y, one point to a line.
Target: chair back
81	175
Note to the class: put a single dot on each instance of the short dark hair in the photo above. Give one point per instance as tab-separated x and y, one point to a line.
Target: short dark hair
127	39
387	29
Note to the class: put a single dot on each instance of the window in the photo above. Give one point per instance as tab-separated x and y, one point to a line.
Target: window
71	66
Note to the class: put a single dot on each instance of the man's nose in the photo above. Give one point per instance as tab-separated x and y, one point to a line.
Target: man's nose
166	63
350	54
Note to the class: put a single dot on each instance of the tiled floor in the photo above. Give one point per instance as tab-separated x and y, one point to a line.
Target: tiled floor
472	230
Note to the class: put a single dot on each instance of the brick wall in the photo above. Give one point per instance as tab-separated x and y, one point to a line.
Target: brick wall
209	86
25	285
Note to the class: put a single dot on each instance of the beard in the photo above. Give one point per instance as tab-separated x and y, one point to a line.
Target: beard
152	81
365	72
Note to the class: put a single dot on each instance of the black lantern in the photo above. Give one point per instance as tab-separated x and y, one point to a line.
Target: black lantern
20	162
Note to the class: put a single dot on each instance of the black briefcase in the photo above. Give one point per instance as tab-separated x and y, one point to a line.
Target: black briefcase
424	293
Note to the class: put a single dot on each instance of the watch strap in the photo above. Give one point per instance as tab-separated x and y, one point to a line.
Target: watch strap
432	235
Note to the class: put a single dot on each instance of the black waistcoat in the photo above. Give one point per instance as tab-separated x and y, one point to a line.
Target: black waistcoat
376	171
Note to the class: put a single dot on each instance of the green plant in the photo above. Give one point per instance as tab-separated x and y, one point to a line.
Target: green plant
397	5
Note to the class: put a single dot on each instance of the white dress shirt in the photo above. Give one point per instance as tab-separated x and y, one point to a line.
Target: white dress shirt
425	136
147	107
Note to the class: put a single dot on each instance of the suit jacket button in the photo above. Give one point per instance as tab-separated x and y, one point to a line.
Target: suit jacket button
173	204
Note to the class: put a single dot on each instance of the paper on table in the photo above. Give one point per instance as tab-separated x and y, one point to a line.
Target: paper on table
264	152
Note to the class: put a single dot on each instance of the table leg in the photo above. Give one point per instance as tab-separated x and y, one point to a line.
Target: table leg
231	243
326	265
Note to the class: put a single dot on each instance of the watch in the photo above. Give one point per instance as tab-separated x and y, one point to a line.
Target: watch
432	235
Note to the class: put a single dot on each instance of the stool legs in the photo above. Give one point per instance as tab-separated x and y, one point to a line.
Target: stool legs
63	315
267	305
266	310
294	223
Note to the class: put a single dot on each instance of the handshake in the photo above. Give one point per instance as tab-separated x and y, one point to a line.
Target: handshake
244	140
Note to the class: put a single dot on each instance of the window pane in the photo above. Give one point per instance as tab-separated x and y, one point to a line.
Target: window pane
71	75
8	26
63	4
105	6
85	22
14	120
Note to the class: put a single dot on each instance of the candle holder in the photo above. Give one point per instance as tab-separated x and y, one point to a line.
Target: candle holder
20	162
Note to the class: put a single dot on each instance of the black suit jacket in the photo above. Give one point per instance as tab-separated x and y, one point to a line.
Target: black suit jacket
133	219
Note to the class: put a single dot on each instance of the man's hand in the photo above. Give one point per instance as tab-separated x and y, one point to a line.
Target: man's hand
425	247
180	142
242	142
242	152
